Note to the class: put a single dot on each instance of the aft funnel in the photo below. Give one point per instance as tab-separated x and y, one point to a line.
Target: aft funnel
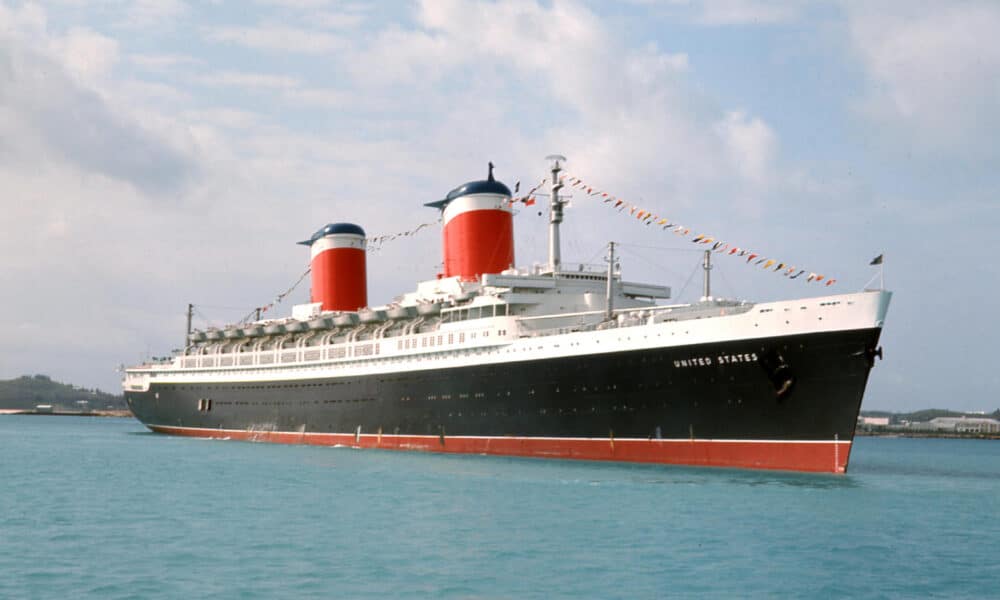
478	230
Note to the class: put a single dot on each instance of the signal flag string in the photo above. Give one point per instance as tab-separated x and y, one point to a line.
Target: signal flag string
281	296
529	198
619	204
648	218
375	243
372	244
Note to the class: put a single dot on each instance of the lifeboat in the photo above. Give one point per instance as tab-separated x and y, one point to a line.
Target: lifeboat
428	308
274	328
370	315
346	319
401	312
320	323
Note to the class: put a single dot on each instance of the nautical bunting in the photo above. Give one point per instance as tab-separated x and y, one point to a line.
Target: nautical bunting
529	198
372	244
649	218
375	243
281	296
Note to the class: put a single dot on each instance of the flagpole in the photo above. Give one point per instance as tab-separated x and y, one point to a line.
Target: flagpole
878	261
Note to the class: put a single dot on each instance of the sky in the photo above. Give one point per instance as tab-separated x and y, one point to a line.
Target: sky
155	153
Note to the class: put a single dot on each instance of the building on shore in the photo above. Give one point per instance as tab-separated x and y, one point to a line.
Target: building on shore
957	425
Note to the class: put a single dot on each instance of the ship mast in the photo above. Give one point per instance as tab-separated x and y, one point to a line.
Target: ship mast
609	311
555	213
706	264
190	313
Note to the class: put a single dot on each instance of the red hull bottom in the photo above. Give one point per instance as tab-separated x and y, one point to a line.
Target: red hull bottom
805	456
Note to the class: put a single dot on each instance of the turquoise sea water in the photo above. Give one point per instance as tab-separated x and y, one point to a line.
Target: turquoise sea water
99	508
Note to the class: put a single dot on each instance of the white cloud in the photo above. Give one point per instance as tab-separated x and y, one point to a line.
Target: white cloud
337	20
714	13
163	62
295	4
27	19
751	145
279	38
225	117
248	80
87	54
152	14
932	69
630	112
746	12
147	93
316	97
51	89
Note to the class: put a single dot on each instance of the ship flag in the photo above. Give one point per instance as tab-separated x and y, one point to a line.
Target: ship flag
877	261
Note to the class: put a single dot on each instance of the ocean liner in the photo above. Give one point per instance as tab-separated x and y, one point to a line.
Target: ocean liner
555	361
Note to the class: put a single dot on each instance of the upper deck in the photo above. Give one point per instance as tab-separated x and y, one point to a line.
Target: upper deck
462	335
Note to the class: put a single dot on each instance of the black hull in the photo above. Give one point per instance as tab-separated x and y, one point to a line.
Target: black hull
793	388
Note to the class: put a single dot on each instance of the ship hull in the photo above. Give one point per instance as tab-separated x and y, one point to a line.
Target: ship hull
788	402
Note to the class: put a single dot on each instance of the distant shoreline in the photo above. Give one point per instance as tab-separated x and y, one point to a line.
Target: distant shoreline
69	413
928	434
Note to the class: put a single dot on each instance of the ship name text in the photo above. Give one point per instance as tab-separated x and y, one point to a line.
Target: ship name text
721	359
